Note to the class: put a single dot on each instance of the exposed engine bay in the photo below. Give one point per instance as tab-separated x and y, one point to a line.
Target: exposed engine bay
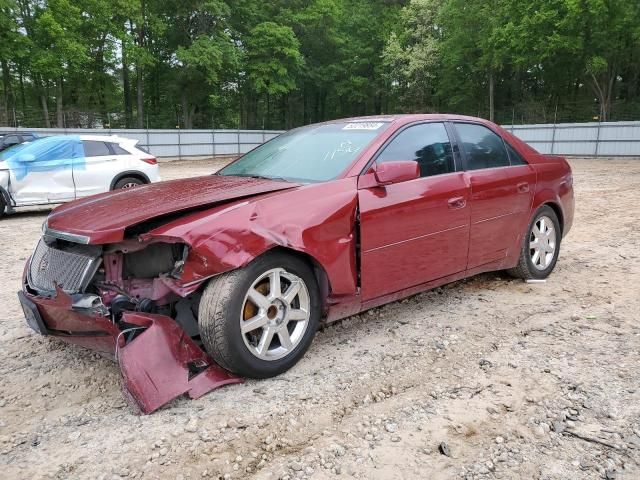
129	288
131	276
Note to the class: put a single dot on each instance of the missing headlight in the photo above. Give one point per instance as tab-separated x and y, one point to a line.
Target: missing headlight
155	260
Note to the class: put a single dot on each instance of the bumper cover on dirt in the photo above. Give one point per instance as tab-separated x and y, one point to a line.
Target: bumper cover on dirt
157	359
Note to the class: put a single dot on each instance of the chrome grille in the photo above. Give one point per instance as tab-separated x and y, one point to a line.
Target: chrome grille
70	267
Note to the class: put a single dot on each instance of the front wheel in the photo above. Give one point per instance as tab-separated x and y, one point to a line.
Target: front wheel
540	247
258	321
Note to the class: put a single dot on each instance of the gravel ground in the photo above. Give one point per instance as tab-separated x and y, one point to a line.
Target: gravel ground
484	378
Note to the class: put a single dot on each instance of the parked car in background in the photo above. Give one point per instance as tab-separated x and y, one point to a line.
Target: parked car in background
9	140
51	170
317	224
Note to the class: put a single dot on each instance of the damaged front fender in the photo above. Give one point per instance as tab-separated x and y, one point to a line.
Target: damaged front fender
318	220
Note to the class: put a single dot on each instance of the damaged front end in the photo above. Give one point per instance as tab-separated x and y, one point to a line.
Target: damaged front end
125	299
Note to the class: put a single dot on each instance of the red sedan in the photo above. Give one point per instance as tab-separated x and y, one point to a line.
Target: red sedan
318	224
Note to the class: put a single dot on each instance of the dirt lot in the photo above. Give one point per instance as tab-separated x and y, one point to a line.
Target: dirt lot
517	380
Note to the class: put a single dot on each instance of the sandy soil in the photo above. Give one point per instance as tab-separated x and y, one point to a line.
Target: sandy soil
513	380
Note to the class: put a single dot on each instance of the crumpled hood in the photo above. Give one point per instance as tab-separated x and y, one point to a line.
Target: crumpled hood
103	218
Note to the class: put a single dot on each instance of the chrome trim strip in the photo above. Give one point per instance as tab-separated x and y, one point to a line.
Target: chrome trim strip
69	237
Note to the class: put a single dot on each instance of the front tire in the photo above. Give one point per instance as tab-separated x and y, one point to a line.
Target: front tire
258	321
540	246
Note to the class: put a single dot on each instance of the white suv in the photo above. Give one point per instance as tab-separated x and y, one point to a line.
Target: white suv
58	169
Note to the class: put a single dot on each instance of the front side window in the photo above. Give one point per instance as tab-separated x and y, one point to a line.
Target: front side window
317	153
11	140
483	148
95	149
427	144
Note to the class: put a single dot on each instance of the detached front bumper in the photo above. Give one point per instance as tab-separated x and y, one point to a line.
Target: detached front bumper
157	359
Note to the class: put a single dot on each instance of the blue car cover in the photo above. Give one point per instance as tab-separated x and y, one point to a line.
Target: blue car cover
45	155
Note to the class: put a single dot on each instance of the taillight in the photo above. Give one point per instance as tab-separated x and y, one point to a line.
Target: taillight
150	160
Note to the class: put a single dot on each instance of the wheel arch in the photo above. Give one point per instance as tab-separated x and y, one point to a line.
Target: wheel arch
129	173
551	199
558	211
7	202
324	283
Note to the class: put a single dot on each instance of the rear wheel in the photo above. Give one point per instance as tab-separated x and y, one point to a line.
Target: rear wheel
127	182
3	206
258	321
540	246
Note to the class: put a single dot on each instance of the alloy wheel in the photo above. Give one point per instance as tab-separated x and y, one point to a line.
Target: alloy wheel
542	243
275	314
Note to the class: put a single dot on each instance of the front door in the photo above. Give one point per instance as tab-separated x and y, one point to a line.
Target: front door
415	231
41	172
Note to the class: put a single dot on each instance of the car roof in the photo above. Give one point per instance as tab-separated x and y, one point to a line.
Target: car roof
405	118
107	138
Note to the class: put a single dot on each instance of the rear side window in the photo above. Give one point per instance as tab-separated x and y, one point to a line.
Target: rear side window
483	148
95	149
118	150
515	157
11	140
427	144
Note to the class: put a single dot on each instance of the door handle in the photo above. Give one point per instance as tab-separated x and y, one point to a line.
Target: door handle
457	202
523	187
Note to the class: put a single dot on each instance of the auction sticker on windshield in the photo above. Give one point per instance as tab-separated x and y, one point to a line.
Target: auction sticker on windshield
363	126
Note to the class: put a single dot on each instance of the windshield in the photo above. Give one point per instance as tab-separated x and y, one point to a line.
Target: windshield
9	152
316	153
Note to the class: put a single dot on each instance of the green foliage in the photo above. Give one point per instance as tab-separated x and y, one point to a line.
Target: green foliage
282	63
273	58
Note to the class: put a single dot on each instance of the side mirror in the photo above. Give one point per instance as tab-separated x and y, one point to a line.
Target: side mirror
389	173
26	157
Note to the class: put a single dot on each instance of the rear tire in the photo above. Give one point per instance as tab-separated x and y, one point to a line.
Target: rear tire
258	321
127	182
540	246
3	206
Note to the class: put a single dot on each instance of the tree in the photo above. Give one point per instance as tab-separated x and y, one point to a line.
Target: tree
412	58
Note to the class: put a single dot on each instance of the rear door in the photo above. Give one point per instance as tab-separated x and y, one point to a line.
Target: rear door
415	231
500	193
98	170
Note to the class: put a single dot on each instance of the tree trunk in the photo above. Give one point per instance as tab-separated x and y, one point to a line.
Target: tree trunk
491	96
59	104
139	86
126	90
6	83
187	121
23	98
604	91
43	102
140	97
45	110
268	113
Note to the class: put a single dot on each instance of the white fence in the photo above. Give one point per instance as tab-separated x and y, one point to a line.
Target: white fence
582	139
177	143
614	139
